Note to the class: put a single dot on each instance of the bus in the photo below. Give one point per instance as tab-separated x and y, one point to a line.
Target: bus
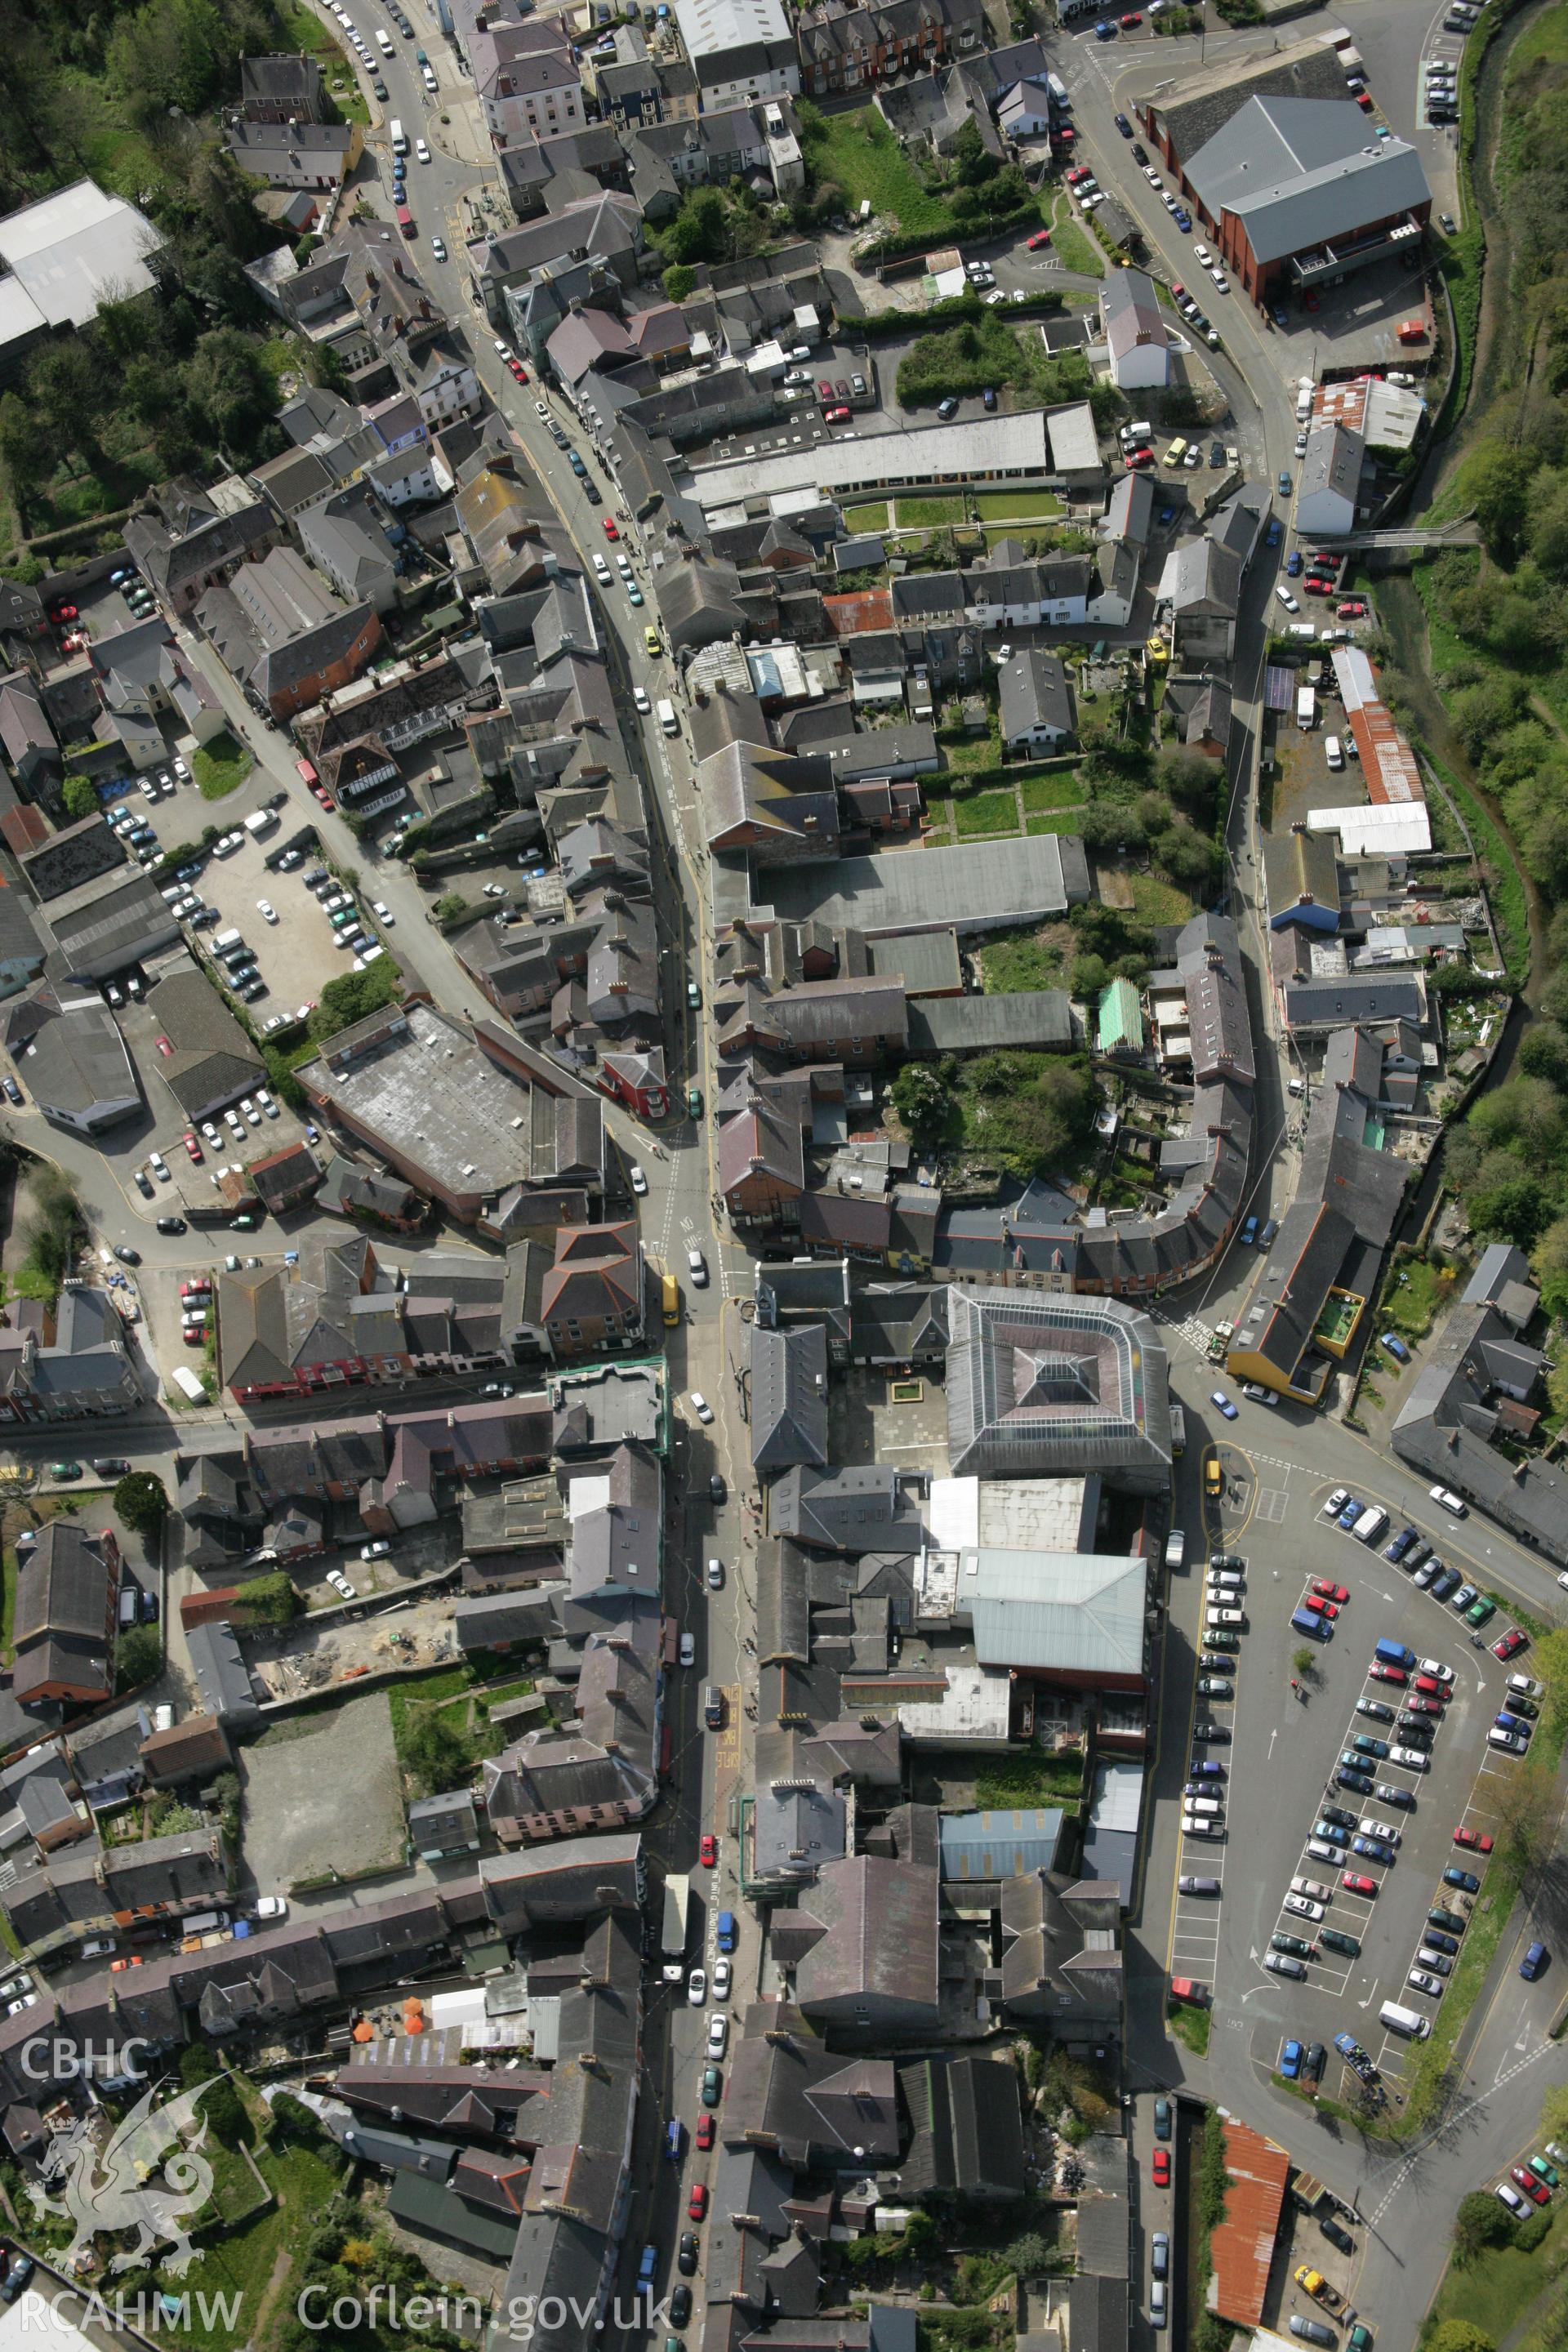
672	1936
1178	1430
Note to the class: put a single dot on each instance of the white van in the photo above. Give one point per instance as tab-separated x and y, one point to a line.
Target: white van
1286	598
399	141
1138	435
261	821
1301	629
1450	1500
1177	1548
667	718
1332	751
130	1601
1206	1808
383	42
226	939
1408	2021
1369	1525
1218	1619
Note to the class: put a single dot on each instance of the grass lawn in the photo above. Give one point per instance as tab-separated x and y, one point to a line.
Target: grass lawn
868	518
1029	1777
969	753
1189	2027
307	32
1065	820
928	514
221	766
987	812
1155	901
1064	789
244	2262
1019	960
995	506
1074	250
109	149
1415	1290
859	154
461	1702
1496	2289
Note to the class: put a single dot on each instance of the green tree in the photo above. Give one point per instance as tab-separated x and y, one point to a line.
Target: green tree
225	2112
1459	2336
701	229
1526	1807
1481	2220
679	281
1550	1266
923	1100
1495	480
1304	1660
434	1751
142	1502
1513	1207
26	450
972	160
80	795
230	389
138	1657
923	2238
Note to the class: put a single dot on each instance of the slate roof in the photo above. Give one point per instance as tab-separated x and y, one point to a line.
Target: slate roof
789	1397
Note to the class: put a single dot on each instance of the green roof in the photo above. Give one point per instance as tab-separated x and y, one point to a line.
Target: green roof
1120	1019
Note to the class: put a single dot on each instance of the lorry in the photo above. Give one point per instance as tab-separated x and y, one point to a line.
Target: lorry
672	1938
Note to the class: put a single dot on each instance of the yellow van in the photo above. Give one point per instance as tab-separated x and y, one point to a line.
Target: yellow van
669	1291
1174	454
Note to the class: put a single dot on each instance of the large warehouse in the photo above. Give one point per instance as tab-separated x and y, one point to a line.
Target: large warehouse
1287	175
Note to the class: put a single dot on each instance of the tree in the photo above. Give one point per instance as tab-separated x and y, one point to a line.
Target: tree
1512	1208
25	448
140	1655
1554	2111
679	281
80	795
701	229
225	2112
1459	2336
921	2236
142	1501
1495	480
1551	1664
434	1751
230	389
1304	1660
1526	1806
923	1100
1480	2221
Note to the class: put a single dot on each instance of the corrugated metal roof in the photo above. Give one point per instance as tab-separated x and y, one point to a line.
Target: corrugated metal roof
1243	2245
1078	1612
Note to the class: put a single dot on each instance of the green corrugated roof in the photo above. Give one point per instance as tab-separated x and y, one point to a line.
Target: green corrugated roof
1120	1020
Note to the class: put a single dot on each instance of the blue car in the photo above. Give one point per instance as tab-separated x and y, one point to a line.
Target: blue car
1395	1346
1455	1876
1250	1232
1290	2058
1533	1963
1275	533
1220	1399
1331	1831
1350	1513
1183	221
1124	126
1105	30
1202	1769
1277	314
1293	563
1374	1849
1360	1783
1396	1551
1284	483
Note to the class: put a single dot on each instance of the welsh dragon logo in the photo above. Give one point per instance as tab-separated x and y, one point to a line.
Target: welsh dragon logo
116	2186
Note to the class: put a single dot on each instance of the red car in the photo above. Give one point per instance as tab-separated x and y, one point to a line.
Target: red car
697	2203
1160	2167
1363	100
1352	609
1136	458
1180	292
1129	23
705	2124
1536	2190
1509	1645
1329	1591
322	794
136	1961
1477	1841
1327	1608
1042	236
839	416
196	1335
64	612
1379	1673
824	391
164	1046
1430	1687
192	1146
1079	171
1422	1706
518	370
708	1851
195	1289
1355	1882
610	530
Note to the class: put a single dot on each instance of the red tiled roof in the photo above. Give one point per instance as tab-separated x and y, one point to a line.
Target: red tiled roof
1243	2245
847	616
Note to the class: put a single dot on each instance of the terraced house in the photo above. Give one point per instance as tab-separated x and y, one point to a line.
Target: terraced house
851	48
